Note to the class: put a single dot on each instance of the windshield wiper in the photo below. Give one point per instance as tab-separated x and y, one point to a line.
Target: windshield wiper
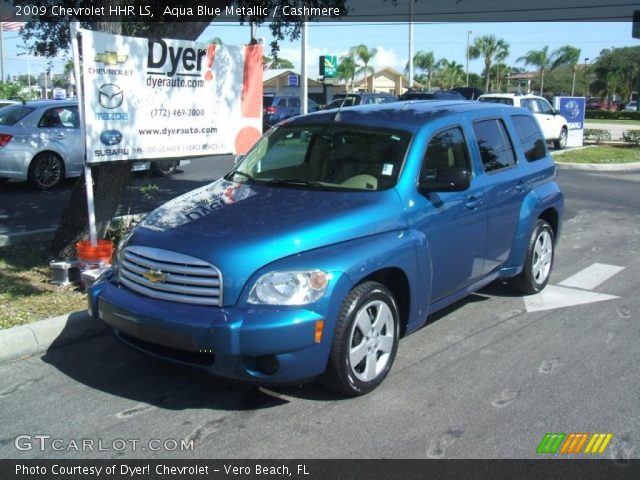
233	173
292	181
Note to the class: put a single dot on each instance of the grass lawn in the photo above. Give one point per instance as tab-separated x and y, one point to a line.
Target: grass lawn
26	295
599	154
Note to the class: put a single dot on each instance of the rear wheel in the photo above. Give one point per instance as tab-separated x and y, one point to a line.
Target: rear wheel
46	171
164	168
365	341
537	267
561	142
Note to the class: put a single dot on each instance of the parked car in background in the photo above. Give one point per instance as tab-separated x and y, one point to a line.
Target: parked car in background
437	95
359	98
332	239
40	142
276	108
554	126
4	102
632	106
470	93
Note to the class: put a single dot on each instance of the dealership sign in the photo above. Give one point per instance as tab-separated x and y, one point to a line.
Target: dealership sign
160	98
573	110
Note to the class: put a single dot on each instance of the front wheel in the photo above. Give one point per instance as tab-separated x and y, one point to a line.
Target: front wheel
365	341
537	267
561	142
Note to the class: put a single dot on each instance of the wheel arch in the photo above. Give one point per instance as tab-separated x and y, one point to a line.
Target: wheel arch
396	280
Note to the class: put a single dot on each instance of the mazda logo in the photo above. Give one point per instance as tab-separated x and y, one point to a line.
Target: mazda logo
110	96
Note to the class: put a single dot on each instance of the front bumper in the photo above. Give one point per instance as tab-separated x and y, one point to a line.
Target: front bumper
269	345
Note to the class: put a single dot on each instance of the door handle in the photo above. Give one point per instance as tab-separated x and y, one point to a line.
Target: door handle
60	136
521	186
473	203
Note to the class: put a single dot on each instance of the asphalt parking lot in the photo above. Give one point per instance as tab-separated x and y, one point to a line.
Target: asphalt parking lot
486	378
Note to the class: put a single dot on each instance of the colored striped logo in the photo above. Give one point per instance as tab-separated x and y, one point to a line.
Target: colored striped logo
573	443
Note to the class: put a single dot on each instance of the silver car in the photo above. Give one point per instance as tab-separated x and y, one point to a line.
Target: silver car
40	142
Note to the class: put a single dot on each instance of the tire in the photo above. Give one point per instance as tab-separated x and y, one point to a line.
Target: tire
539	261
561	142
46	171
365	341
164	168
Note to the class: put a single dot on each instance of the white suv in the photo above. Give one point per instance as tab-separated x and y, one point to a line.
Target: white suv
553	125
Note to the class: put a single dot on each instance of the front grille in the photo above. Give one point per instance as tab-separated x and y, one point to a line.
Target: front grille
178	277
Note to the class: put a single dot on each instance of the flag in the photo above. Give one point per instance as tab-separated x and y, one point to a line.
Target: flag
12	26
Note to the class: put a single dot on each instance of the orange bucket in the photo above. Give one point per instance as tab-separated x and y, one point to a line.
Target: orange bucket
94	256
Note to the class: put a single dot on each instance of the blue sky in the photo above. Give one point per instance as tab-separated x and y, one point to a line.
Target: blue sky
446	40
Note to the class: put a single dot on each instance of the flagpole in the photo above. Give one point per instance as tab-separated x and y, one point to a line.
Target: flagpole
1	53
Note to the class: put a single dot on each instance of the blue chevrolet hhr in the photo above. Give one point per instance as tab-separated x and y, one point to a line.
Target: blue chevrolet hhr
337	234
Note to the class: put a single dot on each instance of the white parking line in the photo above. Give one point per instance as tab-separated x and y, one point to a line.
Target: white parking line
592	276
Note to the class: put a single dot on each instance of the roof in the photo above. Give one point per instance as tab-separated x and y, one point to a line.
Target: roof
409	115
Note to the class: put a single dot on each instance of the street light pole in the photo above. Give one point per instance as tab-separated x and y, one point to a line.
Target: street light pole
468	36
586	93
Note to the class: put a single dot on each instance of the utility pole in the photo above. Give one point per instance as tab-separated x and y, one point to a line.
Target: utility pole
468	37
410	44
303	69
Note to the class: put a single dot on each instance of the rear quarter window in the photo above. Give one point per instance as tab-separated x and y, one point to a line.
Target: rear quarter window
494	144
530	137
14	113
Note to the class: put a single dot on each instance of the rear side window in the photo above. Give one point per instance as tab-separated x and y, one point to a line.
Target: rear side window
293	102
494	145
447	150
12	114
504	101
530	137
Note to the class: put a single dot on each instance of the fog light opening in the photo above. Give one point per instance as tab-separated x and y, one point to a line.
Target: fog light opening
268	364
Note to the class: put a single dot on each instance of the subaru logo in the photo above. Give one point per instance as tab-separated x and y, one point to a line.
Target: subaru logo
110	96
110	137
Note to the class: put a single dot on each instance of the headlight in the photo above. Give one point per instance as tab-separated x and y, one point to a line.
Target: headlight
289	288
119	249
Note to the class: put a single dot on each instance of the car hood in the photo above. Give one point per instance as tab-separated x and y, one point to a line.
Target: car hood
241	227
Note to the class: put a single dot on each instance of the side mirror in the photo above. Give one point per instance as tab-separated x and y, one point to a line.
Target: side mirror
446	180
237	160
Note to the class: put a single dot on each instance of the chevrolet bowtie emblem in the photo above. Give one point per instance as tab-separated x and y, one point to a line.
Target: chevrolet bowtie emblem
154	276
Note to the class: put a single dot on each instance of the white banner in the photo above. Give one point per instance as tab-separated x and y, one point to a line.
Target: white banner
159	98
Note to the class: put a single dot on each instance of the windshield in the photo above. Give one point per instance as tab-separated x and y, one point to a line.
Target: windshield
13	113
327	157
348	102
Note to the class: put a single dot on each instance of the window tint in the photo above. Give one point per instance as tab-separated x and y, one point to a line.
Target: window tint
530	137
267	101
13	114
446	150
494	145
503	100
293	102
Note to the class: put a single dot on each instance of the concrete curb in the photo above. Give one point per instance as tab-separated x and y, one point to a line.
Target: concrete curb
600	167
24	237
37	337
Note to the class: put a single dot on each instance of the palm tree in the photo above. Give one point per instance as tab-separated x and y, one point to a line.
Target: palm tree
567	55
452	73
491	48
426	62
365	55
347	68
540	59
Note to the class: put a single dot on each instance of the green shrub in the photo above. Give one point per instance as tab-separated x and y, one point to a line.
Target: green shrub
632	137
607	115
597	134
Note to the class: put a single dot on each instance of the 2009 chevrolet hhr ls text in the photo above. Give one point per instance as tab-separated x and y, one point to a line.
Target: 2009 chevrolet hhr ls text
337	234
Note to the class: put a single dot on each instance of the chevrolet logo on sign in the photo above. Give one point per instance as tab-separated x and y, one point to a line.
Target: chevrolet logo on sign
154	276
110	58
